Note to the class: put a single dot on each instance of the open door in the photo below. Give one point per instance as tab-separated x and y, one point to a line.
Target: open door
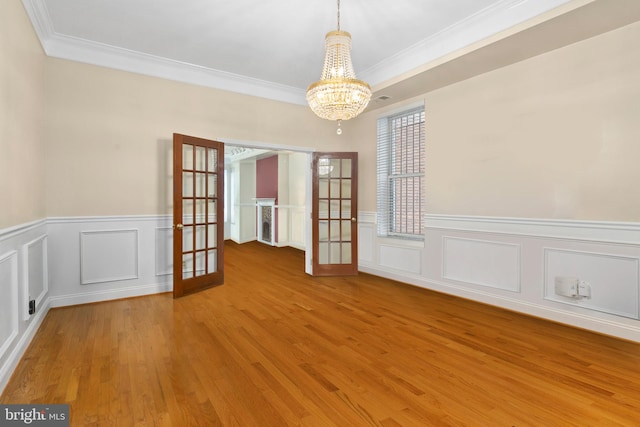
335	212
198	219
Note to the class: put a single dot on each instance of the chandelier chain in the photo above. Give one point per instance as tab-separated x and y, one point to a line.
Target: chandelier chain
338	15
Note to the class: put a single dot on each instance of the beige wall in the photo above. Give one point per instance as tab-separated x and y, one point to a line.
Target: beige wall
555	136
21	114
109	135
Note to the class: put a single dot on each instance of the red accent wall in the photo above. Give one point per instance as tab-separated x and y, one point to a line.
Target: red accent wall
267	184
267	178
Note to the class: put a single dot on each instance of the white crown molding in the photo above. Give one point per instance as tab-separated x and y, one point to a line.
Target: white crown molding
492	20
80	50
488	22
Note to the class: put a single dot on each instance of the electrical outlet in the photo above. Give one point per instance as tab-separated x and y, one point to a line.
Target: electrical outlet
32	306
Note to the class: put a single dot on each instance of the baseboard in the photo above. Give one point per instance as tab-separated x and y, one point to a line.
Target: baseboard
108	295
578	320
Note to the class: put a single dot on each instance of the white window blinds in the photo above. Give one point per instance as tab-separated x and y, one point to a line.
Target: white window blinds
401	167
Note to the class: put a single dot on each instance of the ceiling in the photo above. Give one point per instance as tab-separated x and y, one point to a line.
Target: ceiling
275	49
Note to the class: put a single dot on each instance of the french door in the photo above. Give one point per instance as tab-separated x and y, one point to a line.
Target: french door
198	216
335	212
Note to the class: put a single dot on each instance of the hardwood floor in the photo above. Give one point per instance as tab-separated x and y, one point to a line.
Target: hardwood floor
275	347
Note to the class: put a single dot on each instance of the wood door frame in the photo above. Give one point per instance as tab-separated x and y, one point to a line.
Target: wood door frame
207	280
350	269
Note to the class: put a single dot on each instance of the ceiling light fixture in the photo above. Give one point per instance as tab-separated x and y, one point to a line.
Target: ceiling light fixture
338	95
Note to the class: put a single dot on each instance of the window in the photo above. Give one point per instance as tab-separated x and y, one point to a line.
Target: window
401	160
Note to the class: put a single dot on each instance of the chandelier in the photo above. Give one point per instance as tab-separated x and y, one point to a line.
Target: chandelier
338	95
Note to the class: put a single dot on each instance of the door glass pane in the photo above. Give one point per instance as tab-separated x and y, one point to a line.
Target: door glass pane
187	184
346	188
200	207
334	228
346	168
212	261
187	266
346	209
323	231
212	238
187	156
212	156
323	188
323	209
201	159
212	188
334	168
346	253
346	231
187	211
213	213
335	188
200	264
323	256
200	236
334	253
335	209
201	189
187	239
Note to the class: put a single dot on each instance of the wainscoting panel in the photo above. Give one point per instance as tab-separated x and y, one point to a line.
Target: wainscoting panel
164	251
612	279
102	258
366	239
480	262
400	258
9	301
108	256
36	283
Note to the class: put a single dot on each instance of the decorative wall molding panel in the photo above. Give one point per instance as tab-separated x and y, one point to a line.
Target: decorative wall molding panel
108	256
481	262
9	307
101	258
36	283
613	281
23	269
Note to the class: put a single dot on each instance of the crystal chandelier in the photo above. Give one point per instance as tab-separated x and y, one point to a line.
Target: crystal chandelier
338	95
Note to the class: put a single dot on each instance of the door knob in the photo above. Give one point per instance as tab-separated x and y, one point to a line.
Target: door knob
353	220
178	226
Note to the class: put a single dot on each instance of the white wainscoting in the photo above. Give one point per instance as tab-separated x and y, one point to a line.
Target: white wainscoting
9	307
36	283
481	262
23	273
108	256
613	279
101	258
512	263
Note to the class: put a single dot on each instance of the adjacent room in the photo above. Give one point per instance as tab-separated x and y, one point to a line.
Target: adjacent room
327	213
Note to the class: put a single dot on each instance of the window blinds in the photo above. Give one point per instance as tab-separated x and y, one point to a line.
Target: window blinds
400	179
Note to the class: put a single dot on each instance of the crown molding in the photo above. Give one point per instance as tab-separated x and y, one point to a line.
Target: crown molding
75	49
488	22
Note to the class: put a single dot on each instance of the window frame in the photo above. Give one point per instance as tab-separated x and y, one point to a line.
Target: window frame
408	169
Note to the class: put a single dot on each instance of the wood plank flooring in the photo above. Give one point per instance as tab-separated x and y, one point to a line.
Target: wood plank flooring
275	347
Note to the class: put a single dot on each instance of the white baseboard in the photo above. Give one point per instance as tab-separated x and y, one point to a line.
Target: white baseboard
108	295
513	263
603	326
